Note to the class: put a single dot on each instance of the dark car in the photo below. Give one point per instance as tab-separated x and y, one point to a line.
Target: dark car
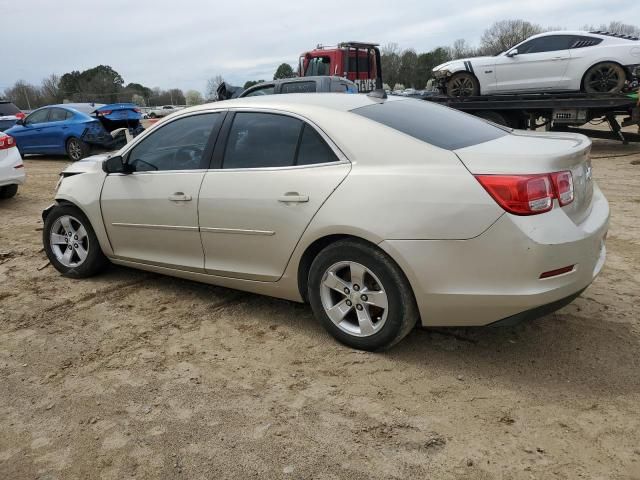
75	129
9	115
317	84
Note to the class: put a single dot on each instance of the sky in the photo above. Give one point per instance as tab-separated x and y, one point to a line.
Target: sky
182	43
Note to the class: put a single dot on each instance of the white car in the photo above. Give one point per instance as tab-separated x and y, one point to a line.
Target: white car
377	212
11	167
163	111
593	62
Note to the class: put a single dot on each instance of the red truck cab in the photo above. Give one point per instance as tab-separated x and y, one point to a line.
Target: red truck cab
340	61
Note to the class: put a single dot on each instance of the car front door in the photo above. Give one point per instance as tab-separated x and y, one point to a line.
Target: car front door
540	64
30	136
151	214
273	173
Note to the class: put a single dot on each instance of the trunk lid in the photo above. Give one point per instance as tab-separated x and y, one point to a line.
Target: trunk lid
524	152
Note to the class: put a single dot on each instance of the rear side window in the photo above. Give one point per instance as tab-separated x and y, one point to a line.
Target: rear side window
313	149
299	87
59	115
583	41
435	124
7	109
262	140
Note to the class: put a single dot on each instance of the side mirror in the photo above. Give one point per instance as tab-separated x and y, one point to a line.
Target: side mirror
21	122
512	53
115	165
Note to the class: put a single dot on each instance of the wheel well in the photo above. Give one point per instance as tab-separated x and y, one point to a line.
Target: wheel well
310	254
584	75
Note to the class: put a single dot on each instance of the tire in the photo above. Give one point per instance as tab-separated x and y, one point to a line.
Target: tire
86	258
383	284
8	191
77	149
463	84
605	77
152	115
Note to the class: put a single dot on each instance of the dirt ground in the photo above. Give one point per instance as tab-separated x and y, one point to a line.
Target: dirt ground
136	375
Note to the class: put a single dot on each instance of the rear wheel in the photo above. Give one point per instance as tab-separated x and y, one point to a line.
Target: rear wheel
361	296
8	191
606	77
77	149
71	244
463	84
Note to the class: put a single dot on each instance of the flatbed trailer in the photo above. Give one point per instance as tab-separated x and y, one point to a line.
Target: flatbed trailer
570	112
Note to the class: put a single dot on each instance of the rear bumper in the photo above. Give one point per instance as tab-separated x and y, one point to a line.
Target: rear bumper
497	275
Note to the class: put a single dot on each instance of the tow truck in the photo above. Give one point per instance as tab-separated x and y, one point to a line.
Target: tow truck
554	112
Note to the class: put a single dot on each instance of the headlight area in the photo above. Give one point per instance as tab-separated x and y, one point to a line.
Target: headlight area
442	74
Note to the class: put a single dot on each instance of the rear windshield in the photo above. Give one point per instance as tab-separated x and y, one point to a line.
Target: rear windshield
441	126
8	109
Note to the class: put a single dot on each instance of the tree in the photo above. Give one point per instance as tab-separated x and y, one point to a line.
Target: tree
193	97
50	89
505	34
616	27
24	95
408	71
212	87
284	71
251	83
460	49
390	59
138	100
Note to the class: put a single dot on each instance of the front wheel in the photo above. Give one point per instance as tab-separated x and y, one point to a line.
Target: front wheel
361	296
463	84
606	77
71	244
77	149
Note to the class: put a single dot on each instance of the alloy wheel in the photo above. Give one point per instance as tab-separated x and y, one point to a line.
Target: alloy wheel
604	79
69	241
461	87
75	150
354	299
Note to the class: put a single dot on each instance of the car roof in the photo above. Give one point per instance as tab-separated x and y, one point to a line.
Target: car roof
342	102
595	34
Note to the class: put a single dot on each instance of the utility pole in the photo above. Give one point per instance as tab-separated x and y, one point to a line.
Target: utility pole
26	95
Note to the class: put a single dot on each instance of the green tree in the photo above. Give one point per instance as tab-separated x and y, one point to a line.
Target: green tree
284	71
193	97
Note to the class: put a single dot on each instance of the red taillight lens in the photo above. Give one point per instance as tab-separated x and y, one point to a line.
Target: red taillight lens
520	194
563	183
529	194
6	141
20	116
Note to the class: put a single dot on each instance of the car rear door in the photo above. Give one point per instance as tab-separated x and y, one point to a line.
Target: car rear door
540	64
55	130
151	215
272	172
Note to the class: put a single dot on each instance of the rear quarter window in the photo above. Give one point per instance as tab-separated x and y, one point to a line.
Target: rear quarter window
435	124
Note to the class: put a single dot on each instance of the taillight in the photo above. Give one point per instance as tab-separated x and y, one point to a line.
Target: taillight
563	183
529	194
20	116
104	113
7	141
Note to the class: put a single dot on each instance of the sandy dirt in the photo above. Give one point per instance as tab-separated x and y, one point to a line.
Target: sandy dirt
136	375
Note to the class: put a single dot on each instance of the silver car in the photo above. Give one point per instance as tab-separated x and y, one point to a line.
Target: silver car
378	212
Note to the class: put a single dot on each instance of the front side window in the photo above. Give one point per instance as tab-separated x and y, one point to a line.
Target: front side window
318	66
546	44
179	145
262	140
38	117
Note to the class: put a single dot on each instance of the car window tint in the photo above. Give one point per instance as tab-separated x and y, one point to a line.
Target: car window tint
269	90
178	145
58	115
39	116
584	41
546	44
7	109
299	87
258	140
313	149
432	123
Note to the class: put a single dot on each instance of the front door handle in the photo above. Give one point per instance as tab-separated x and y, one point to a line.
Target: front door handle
293	197
179	197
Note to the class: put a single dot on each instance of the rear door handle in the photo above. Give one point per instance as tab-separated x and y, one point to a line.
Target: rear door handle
179	197
293	197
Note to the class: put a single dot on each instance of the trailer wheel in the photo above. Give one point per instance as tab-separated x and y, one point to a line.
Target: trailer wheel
605	77
494	117
463	84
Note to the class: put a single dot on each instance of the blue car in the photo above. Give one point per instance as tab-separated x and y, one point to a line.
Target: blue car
75	129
